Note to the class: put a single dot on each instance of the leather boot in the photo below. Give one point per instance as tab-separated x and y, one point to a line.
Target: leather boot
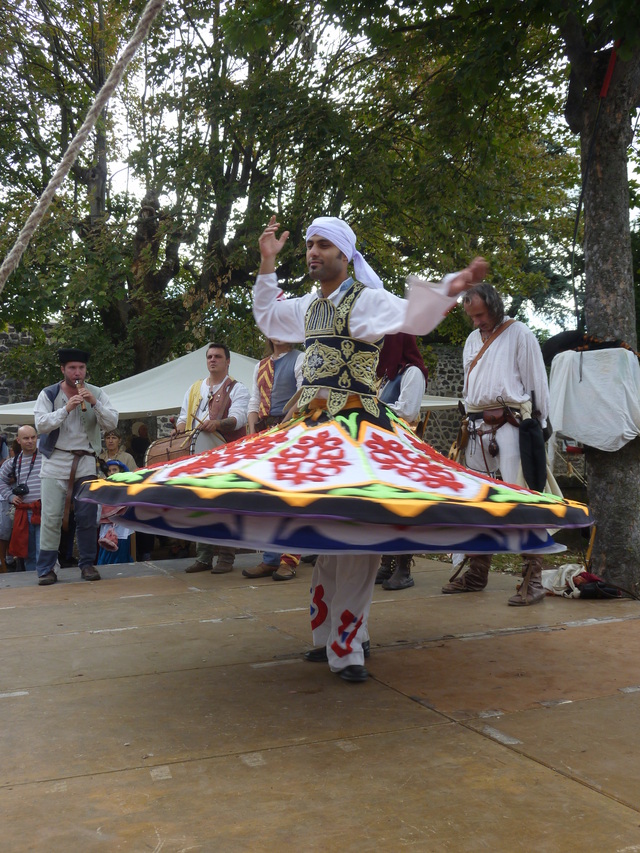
474	579
530	589
401	578
387	568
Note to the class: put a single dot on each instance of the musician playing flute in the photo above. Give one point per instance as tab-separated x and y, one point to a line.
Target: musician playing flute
69	443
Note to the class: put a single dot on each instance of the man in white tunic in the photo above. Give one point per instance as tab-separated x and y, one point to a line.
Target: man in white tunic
503	367
217	404
68	417
342	585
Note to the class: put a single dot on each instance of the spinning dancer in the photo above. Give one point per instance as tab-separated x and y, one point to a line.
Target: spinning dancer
346	479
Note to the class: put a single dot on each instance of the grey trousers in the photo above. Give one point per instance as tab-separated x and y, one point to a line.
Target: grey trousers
86	514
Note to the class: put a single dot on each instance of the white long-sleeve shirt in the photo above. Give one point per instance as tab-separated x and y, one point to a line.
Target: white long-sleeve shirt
73	434
511	367
412	388
374	314
238	396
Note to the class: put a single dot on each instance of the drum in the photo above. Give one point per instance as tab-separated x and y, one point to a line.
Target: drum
184	444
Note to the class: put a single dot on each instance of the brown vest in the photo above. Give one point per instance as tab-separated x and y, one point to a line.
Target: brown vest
219	406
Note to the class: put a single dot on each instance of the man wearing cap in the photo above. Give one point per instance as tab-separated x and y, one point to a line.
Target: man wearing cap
69	417
343	325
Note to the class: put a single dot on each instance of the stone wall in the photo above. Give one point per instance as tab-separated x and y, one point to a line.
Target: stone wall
12	390
445	380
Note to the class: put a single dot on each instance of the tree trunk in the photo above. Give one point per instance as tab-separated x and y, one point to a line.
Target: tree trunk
614	478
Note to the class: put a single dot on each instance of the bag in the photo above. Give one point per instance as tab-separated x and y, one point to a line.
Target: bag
533	454
599	589
109	540
572	581
495	417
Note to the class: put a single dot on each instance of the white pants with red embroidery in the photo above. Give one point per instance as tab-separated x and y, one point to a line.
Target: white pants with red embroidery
341	592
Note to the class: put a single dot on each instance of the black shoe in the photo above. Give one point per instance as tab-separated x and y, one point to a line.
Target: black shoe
398	582
49	578
387	568
319	655
67	562
353	673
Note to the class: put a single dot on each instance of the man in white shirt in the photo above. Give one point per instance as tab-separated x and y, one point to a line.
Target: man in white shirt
68	417
219	404
335	360
505	382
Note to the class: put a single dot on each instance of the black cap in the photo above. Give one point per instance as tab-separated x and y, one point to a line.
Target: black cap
71	354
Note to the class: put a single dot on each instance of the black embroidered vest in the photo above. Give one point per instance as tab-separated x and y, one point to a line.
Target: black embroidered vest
334	361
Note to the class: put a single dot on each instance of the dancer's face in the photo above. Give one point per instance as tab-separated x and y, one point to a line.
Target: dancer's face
325	262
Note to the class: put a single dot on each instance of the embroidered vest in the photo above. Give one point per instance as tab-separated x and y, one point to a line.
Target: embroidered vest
334	361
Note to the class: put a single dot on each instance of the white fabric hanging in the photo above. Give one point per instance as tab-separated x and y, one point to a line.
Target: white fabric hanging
595	397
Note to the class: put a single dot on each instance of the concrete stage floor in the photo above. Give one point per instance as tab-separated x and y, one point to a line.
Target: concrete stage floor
160	711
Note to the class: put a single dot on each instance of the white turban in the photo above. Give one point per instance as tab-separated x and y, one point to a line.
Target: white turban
338	232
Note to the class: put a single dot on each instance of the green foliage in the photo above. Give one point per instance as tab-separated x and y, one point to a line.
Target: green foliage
234	111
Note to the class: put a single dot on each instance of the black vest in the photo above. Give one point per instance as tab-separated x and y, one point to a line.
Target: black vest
335	361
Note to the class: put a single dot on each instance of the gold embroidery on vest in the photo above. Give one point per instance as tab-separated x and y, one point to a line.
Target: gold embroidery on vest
341	363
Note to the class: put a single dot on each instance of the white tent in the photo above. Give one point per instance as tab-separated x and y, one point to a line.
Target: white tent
158	391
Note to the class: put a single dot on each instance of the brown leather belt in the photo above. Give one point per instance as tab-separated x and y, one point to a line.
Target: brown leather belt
72	478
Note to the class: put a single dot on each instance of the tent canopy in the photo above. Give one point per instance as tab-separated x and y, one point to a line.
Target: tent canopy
158	391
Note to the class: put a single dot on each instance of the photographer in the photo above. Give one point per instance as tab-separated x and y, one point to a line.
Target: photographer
20	487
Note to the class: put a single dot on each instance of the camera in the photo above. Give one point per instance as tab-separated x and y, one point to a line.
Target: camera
21	489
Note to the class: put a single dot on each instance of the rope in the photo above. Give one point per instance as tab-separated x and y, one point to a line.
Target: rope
111	84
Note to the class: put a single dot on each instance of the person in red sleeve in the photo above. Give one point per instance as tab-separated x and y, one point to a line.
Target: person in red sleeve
20	485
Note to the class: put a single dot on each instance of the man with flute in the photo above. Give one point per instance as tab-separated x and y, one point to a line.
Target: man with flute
68	417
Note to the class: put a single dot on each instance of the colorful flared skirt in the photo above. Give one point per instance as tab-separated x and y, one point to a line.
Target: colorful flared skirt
350	484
